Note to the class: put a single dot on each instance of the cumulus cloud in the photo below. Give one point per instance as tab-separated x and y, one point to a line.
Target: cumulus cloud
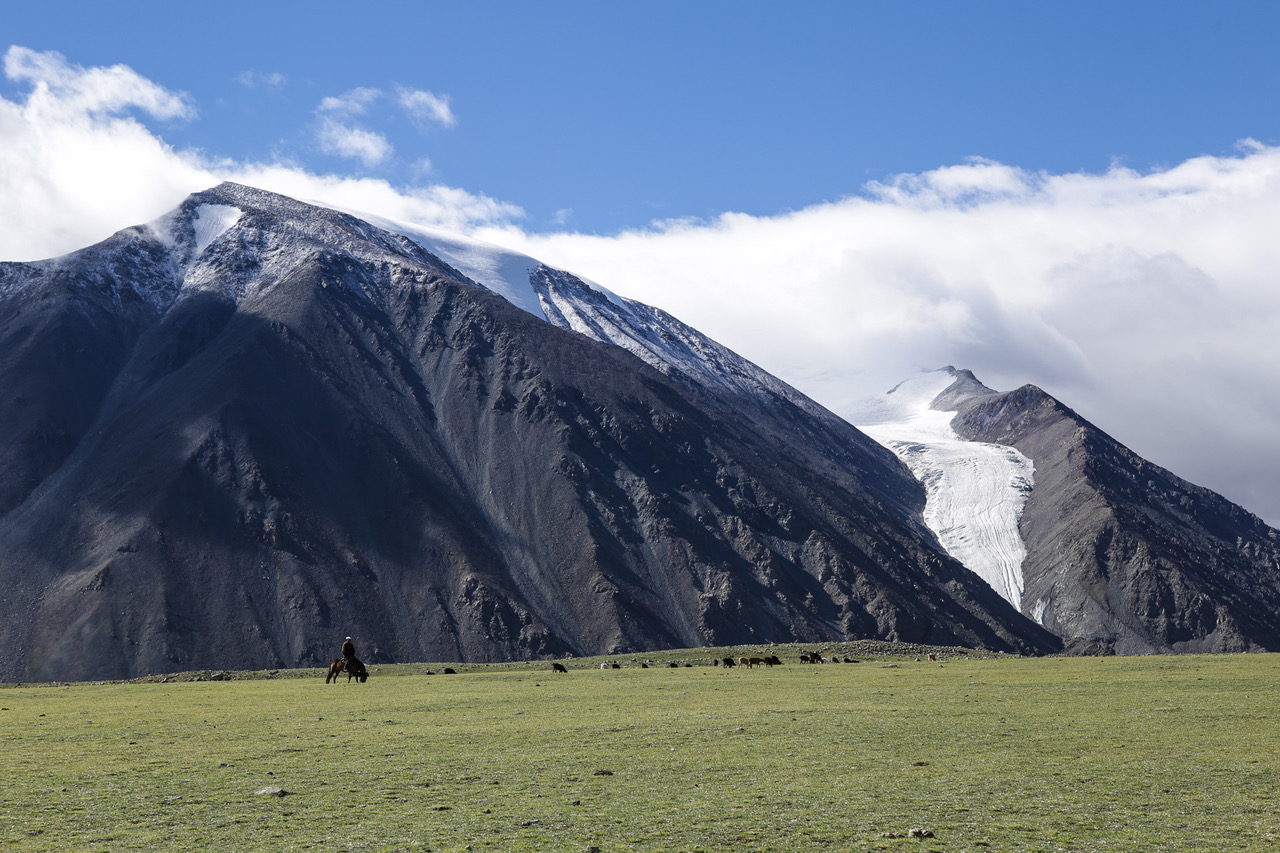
354	102
68	89
424	107
77	164
343	140
339	135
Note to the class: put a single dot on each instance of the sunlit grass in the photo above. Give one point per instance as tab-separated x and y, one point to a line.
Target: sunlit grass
1133	754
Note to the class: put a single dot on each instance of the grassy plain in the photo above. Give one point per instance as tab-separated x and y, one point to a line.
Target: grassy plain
996	754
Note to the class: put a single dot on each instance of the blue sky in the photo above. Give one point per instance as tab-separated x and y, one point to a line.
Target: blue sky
604	116
1083	196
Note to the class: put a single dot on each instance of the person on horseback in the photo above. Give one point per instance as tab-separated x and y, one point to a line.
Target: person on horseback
348	654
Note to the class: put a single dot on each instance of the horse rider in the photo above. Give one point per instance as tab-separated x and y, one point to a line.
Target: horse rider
348	654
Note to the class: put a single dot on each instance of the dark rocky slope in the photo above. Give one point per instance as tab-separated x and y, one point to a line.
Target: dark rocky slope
233	456
1121	554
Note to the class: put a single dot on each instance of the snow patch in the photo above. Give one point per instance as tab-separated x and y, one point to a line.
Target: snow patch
974	492
1039	609
211	222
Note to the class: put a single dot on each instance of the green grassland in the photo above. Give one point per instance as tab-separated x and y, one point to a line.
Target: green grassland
988	753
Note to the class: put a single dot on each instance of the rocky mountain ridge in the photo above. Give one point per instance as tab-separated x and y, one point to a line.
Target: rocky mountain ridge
1123	553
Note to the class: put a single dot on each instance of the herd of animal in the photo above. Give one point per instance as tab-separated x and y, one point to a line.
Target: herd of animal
748	662
355	669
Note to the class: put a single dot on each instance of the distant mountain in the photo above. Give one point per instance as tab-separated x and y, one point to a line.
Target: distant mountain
240	433
1105	549
975	491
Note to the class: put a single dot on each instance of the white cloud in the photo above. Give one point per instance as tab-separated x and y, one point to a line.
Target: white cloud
424	107
254	79
338	135
70	89
354	102
975	181
75	165
437	205
343	140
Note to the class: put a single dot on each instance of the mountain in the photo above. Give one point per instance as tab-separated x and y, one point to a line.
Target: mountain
237	434
1107	550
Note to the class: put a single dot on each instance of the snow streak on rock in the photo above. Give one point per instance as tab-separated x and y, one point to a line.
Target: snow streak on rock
494	268
975	491
657	338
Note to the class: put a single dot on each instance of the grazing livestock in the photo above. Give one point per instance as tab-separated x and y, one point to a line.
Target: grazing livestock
772	660
448	670
335	669
728	662
933	657
558	667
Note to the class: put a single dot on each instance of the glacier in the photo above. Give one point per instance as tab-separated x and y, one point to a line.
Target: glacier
975	492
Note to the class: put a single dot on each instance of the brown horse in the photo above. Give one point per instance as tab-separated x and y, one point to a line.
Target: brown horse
355	670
